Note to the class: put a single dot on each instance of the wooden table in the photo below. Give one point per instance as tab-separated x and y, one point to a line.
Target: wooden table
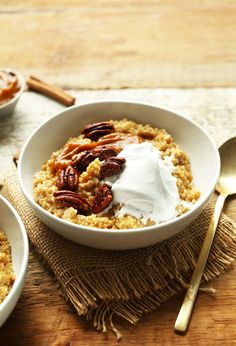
42	316
151	44
117	44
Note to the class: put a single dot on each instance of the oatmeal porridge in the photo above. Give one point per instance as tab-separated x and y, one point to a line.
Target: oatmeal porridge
117	175
7	276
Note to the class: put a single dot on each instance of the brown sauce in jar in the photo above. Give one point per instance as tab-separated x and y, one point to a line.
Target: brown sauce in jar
9	86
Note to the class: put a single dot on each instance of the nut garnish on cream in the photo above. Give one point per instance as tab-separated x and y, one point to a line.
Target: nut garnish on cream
146	187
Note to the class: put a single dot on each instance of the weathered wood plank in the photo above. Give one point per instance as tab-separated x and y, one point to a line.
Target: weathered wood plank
106	45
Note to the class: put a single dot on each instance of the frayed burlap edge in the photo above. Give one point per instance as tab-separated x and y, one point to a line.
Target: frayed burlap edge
101	284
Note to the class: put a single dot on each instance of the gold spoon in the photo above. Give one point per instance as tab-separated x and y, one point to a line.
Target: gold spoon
226	186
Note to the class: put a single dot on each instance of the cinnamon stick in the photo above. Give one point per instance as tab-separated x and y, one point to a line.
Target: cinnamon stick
50	90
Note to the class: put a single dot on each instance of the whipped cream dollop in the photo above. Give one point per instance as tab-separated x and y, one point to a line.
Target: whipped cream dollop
146	187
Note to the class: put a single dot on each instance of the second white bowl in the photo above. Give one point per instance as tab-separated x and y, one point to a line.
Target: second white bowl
14	229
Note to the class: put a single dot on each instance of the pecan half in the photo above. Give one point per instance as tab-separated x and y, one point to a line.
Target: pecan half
105	152
79	160
96	130
72	199
103	198
68	179
112	166
82	160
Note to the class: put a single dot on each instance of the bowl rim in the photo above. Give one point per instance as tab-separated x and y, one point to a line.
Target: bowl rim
18	94
24	264
174	221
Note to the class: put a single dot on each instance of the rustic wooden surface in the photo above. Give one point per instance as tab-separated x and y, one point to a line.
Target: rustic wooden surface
117	44
42	317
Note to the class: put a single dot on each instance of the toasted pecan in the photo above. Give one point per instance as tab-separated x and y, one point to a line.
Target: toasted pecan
68	179
103	198
112	166
96	130
83	159
72	199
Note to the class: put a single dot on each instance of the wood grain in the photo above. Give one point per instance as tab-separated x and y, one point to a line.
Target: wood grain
109	44
42	317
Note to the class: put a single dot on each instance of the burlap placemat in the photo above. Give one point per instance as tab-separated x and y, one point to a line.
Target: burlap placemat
100	283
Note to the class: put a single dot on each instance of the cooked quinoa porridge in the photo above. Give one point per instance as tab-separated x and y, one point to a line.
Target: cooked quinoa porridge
7	276
117	175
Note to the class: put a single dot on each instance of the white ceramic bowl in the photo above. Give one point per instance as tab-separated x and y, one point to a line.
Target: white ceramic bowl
8	107
53	134
12	225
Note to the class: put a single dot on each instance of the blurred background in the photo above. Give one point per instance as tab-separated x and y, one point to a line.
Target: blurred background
121	44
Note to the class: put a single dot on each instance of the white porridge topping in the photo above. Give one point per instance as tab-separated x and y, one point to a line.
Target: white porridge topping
146	187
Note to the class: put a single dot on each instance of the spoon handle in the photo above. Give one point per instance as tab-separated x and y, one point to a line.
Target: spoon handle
183	318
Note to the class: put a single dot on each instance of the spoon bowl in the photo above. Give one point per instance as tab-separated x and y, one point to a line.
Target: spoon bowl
227	181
